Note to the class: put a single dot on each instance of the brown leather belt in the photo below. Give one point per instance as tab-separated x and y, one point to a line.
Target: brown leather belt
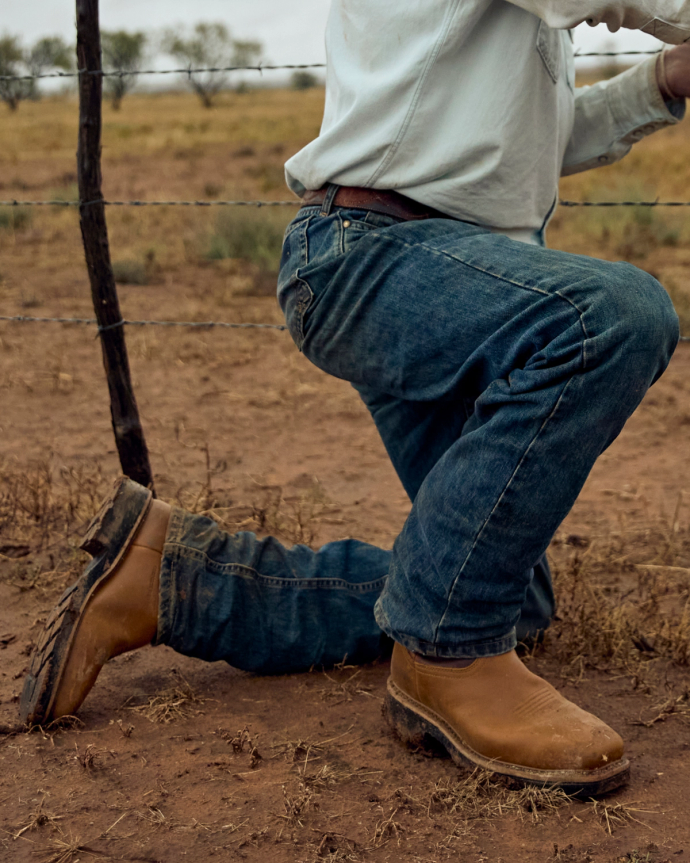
388	203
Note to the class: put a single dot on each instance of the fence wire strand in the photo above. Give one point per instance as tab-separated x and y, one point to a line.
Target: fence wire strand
200	325
259	67
120	73
296	203
13	203
258	204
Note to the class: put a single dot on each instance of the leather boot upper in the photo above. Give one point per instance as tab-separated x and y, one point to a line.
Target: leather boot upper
503	711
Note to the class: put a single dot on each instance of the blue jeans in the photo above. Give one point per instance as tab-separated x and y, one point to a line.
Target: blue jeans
496	373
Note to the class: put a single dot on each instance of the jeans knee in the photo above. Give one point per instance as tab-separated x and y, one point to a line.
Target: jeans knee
639	320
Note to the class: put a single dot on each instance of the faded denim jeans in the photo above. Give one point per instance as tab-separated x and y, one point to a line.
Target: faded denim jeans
496	373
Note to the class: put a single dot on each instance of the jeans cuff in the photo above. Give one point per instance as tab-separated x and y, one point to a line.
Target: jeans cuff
166	593
461	650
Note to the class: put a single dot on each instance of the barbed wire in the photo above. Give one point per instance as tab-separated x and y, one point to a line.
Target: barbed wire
618	53
27	319
624	203
13	203
259	67
297	203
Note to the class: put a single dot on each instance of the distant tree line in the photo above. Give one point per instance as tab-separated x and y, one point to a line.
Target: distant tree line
206	45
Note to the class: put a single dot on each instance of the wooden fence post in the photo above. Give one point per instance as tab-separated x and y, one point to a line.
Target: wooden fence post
129	435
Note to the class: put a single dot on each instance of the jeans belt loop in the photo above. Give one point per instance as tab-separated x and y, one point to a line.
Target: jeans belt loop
328	200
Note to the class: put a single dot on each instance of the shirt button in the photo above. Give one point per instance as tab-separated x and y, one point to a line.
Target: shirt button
347	223
603	159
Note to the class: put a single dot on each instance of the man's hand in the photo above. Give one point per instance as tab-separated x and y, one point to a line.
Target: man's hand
675	63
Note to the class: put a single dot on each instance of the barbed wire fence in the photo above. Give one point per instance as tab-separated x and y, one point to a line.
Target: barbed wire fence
259	67
109	322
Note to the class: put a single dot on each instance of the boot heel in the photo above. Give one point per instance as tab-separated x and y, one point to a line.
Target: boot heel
412	729
120	514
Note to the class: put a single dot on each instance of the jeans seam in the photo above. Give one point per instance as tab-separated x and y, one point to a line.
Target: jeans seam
244	570
166	603
505	279
303	305
497	504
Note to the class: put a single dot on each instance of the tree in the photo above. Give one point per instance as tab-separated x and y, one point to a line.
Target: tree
209	46
303	80
123	52
12	63
47	54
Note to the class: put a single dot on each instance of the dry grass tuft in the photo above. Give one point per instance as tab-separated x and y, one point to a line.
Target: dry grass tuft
152	815
674	706
483	795
40	503
335	848
339	691
241	741
624	602
175	702
386	828
40	817
92	758
297	804
298	750
294	519
67	850
614	815
43	509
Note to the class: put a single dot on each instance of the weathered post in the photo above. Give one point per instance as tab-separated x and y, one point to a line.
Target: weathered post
129	436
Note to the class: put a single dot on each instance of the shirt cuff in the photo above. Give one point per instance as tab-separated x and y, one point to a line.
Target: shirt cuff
637	106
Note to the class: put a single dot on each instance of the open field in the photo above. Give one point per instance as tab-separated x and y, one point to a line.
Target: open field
173	759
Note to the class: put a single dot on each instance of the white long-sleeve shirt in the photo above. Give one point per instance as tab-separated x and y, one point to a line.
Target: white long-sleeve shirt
469	106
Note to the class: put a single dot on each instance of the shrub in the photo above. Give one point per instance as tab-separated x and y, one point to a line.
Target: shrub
249	235
130	272
303	80
15	218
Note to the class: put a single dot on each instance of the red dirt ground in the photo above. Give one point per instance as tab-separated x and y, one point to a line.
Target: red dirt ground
164	792
239	420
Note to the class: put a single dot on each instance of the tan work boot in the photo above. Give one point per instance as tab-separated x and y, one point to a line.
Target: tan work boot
111	609
496	714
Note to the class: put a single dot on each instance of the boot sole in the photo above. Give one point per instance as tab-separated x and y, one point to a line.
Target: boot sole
107	539
418	725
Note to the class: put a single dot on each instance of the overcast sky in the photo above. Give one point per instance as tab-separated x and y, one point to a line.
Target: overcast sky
290	31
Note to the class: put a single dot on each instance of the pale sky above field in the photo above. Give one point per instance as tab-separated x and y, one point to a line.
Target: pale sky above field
290	31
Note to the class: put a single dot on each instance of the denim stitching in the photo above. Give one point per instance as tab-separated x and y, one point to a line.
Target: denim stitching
498	502
304	301
239	569
501	278
165	615
306	295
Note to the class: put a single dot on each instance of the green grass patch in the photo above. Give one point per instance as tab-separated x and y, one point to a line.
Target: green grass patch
15	218
249	235
130	272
